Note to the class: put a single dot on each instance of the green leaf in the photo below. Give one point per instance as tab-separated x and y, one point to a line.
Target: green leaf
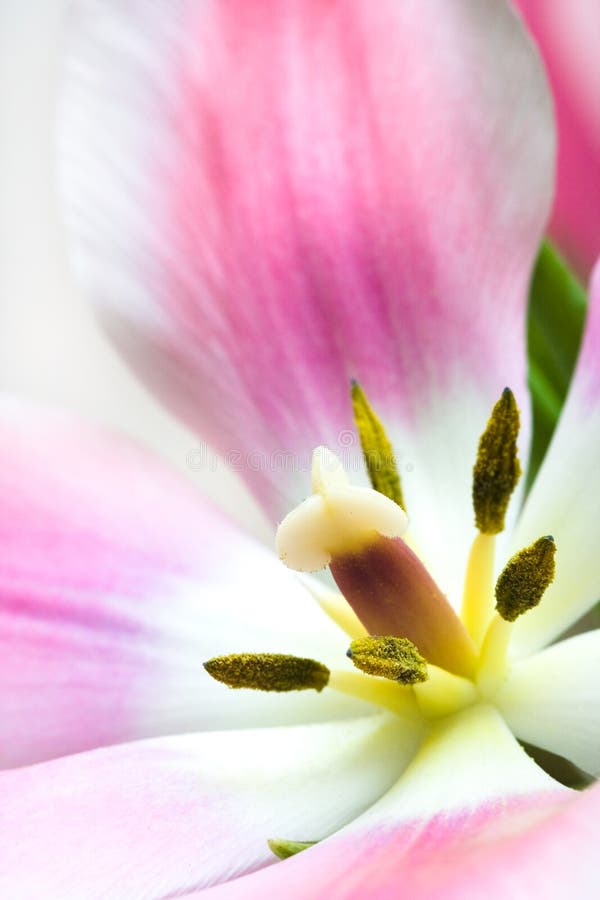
557	307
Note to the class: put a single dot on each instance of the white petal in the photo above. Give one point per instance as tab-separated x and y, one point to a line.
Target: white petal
469	759
160	818
470	792
552	700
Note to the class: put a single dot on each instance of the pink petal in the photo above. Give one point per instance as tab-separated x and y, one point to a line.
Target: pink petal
160	818
268	198
535	847
569	35
116	582
564	500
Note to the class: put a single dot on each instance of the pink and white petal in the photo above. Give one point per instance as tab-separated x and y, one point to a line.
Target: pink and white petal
564	500
116	582
568	35
164	817
539	848
551	700
267	199
468	795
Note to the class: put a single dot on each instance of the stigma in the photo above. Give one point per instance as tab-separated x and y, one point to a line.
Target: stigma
338	518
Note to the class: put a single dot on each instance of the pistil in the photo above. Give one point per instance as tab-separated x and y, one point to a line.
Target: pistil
392	592
357	531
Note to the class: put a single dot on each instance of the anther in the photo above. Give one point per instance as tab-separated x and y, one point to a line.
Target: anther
525	578
389	657
377	449
268	672
497	469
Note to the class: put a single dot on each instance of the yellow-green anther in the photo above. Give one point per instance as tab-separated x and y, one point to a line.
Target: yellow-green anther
497	469
389	657
377	449
525	577
284	849
268	672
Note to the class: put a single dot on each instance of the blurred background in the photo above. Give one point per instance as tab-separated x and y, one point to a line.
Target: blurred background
51	350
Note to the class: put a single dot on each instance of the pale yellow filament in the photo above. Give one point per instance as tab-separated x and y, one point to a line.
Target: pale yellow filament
335	606
493	662
478	598
395	697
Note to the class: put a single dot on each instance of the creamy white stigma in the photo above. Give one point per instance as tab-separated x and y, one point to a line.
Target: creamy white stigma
336	518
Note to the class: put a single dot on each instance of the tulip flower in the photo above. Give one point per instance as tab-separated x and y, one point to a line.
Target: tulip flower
568	35
266	200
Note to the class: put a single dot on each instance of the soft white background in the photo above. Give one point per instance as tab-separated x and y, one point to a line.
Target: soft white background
51	349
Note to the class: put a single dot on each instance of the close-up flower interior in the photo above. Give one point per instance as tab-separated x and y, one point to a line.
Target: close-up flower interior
351	247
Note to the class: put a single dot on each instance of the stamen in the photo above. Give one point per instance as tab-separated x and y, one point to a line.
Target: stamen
497	469
389	657
268	672
525	578
284	849
377	449
519	588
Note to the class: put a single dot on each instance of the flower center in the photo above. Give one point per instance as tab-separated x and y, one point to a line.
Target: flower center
412	652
